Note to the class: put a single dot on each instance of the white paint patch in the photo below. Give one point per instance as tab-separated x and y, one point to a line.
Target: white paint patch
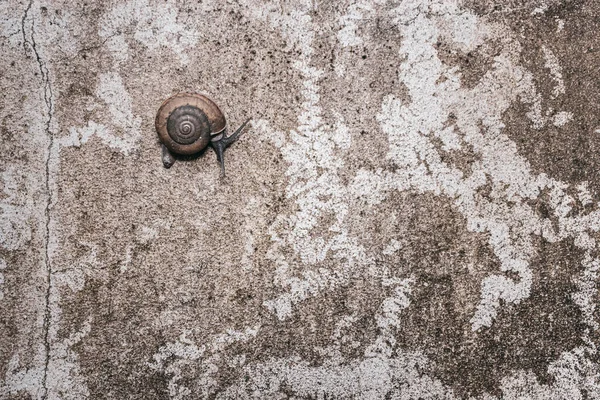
172	359
384	372
555	71
348	34
156	27
575	377
542	8
23	200
124	266
177	358
64	379
147	234
562	118
381	373
126	130
59	28
10	28
16	209
21	380
392	247
585	297
392	306
584	194
535	113
371	378
389	317
314	153
505	214
408	128
463	28
560	25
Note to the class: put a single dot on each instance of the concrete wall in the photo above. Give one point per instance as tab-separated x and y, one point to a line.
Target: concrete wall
413	213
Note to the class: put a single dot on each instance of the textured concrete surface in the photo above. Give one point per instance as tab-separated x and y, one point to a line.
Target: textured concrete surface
413	214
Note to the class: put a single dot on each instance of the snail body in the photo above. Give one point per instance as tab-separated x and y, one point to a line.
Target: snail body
187	123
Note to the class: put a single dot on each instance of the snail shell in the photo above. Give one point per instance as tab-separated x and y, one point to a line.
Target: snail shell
186	122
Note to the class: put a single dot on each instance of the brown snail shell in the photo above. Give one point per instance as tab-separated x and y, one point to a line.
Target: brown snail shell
186	122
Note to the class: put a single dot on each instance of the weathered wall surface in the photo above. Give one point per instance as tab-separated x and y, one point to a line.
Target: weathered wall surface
413	214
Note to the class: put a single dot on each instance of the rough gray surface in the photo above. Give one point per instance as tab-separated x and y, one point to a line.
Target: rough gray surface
413	214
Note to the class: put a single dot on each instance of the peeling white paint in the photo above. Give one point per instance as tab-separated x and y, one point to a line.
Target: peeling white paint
505	215
174	357
64	379
18	380
408	126
15	209
392	306
542	8
562	118
369	378
124	266
177	358
560	24
315	154
355	13
155	26
10	28
385	372
585	297
575	377
392	247
584	194
555	71
381	373
125	132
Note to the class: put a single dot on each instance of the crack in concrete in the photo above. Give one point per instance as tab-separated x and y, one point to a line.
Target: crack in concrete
25	41
48	100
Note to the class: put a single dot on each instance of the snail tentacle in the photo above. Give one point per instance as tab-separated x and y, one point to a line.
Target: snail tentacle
221	144
230	139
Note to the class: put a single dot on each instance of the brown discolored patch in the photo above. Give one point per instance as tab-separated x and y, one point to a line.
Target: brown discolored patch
309	334
473	65
568	152
516	8
356	79
462	159
177	273
527	336
448	264
113	355
312	328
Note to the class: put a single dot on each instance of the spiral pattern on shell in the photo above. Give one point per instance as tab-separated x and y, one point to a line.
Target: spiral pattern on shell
186	124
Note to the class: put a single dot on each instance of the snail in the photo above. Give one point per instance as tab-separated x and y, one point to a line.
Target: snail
187	123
